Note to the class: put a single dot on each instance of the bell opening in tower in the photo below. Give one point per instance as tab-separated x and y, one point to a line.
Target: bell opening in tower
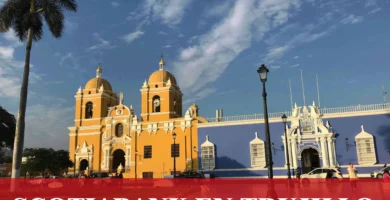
156	104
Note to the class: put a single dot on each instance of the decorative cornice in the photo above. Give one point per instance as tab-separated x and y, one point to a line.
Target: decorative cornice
79	134
279	120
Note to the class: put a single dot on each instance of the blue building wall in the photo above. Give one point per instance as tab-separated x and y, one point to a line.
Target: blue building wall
233	151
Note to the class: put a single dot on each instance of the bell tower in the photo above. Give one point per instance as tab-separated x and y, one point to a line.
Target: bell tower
93	101
161	98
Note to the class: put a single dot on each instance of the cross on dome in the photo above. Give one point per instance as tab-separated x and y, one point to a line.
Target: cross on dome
162	62
99	71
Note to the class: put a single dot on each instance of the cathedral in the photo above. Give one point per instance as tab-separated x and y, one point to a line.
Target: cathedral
108	136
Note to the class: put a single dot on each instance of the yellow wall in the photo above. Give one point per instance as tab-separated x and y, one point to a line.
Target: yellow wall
161	163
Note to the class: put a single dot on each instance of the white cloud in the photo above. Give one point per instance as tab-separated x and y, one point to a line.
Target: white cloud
180	35
10	77
46	126
7	52
296	65
352	19
219	9
375	10
10	36
167	46
199	96
114	4
370	3
103	44
276	52
168	12
129	38
305	36
203	63
70	26
275	66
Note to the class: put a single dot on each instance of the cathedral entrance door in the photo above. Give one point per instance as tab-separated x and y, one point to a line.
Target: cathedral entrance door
83	165
310	160
118	158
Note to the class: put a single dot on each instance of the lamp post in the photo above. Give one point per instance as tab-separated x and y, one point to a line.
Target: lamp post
174	154
192	159
263	78
284	118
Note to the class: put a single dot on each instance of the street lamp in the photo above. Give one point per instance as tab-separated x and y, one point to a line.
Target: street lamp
192	160
174	154
284	118
263	77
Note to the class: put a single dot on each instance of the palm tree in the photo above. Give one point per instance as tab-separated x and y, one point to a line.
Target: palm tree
7	129
26	18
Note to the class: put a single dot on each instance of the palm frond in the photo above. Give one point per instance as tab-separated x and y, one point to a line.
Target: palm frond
18	18
69	5
8	13
54	18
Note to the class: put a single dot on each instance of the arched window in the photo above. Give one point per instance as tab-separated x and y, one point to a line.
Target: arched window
119	130
89	110
156	104
257	151
365	147
208	155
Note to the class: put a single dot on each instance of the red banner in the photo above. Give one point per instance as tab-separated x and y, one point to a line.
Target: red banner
193	189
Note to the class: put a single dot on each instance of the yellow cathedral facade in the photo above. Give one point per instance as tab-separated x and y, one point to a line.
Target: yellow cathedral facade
107	135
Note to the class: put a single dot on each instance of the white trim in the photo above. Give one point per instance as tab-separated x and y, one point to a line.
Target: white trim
209	147
260	152
376	165
73	128
284	176
82	134
328	113
248	169
89	119
367	157
282	168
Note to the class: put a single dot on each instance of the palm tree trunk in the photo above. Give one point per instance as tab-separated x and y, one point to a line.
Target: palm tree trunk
20	125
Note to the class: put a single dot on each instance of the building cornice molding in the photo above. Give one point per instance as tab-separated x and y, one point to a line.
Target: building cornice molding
81	134
93	127
278	120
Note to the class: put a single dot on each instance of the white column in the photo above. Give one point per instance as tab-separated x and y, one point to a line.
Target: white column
334	151
292	165
285	152
294	151
127	157
106	158
323	152
330	152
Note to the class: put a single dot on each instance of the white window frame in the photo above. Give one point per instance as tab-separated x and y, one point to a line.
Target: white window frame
208	155
257	154
365	148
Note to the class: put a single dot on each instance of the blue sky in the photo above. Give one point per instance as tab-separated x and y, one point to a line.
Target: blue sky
212	48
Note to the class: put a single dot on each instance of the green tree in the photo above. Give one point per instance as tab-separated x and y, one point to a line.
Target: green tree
26	18
4	158
41	160
7	129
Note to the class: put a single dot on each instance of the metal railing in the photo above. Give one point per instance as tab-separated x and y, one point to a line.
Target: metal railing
348	109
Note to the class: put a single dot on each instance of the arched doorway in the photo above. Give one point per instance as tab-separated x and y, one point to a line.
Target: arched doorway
310	159
118	158
83	165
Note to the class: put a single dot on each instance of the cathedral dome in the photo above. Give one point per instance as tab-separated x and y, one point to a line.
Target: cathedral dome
98	81
161	76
